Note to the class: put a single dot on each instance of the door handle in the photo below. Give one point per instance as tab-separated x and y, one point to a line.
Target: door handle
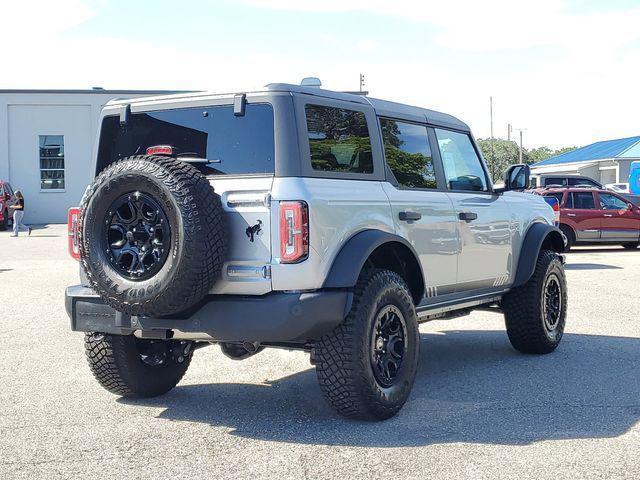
409	216
467	216
571	214
608	215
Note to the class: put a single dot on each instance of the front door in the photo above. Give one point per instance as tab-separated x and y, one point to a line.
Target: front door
620	220
482	217
422	214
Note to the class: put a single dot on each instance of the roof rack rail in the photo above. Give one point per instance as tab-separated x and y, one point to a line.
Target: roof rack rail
364	93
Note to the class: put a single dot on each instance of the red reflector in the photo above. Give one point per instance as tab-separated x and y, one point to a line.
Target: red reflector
556	207
294	232
160	150
73	229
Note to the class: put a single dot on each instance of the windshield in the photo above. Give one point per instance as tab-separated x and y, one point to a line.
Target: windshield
232	144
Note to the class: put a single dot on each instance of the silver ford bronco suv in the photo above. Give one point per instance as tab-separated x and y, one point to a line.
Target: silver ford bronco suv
301	218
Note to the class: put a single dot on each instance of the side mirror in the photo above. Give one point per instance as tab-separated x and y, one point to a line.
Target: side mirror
516	178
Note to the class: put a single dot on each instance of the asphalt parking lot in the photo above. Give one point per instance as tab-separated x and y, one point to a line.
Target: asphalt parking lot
478	409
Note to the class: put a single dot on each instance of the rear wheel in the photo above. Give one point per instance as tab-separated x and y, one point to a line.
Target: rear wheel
535	313
571	236
133	367
366	367
631	245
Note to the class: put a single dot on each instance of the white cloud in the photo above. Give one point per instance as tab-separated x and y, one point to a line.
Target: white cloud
492	24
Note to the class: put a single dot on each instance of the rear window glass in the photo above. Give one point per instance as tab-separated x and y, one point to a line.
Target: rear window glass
233	144
338	140
556	195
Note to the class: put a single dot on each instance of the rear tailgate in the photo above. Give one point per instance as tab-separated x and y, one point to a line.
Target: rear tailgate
246	204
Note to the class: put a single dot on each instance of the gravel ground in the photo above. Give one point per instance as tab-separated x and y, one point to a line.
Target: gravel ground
478	408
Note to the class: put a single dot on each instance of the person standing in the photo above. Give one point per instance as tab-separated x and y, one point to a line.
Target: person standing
18	213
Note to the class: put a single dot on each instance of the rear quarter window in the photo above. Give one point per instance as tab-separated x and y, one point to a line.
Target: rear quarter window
338	139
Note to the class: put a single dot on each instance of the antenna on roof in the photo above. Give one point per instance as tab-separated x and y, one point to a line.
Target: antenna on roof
311	82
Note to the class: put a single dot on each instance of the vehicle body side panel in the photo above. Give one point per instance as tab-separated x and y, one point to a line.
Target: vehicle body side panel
525	210
338	209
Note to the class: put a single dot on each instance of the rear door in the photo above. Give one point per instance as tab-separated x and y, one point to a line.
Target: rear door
620	219
482	217
580	213
422	214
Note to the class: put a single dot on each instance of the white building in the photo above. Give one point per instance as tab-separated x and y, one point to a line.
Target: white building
607	161
46	144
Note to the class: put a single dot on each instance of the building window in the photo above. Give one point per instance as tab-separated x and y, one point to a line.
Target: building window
51	162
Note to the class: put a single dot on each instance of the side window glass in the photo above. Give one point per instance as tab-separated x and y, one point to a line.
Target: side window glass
462	167
583	200
338	140
610	202
408	154
569	202
554	181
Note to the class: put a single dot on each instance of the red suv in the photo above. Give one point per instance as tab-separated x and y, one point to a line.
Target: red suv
6	198
590	216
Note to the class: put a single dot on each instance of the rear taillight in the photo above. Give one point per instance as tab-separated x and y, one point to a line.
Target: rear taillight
160	150
73	229
294	232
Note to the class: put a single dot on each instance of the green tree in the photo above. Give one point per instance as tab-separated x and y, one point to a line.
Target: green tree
504	153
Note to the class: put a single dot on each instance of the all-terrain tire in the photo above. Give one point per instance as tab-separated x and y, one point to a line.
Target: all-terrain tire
630	245
195	251
116	363
526	307
344	365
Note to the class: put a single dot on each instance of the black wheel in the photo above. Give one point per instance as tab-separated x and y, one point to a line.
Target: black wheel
631	245
153	239
535	313
367	365
132	367
4	224
571	236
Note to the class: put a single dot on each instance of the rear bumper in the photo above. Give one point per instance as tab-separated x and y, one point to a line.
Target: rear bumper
275	317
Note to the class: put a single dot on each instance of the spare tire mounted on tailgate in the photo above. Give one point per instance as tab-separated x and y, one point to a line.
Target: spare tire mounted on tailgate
153	238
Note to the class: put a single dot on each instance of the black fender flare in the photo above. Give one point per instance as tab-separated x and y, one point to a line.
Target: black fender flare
354	253
536	236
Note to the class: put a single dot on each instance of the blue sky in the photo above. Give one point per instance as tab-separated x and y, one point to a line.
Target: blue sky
566	71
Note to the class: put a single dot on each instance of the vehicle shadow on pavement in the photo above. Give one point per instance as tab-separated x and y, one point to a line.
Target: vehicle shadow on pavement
471	387
590	266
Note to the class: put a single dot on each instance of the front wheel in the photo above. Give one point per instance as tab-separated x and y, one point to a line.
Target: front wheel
366	367
535	313
133	367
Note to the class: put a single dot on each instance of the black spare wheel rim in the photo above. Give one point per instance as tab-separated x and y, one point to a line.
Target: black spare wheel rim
137	235
388	341
552	304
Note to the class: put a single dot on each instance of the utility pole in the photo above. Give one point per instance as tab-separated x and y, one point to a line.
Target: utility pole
362	82
493	157
520	160
509	129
